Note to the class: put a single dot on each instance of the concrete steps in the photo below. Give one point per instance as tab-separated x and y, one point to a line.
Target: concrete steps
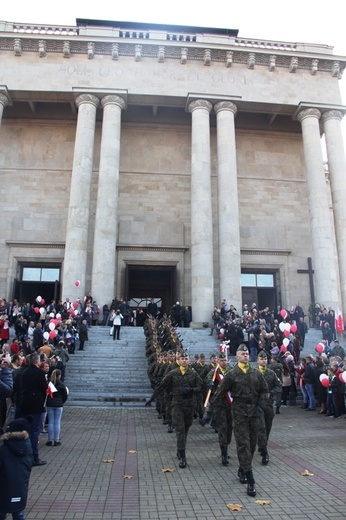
114	373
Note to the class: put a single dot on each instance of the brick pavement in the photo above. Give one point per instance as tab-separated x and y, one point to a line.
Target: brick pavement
77	484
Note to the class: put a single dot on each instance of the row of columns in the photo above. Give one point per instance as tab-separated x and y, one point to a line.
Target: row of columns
105	233
330	276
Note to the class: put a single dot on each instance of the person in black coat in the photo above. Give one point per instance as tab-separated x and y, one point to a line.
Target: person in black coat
34	386
15	469
83	334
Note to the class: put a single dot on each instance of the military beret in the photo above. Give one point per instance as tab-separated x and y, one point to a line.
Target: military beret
184	353
242	348
222	355
202	356
262	355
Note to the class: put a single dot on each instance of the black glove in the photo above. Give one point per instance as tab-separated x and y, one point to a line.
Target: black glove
205	419
259	411
186	391
148	403
210	385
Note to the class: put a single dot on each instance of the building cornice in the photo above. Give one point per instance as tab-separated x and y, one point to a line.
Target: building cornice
184	44
36	245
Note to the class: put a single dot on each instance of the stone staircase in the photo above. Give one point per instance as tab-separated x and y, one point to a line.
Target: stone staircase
114	373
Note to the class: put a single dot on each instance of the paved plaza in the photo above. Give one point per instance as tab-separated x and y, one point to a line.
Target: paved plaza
111	460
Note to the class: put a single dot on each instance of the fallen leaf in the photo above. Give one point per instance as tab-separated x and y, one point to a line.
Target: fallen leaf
167	470
235	507
263	502
307	473
108	460
127	476
132	451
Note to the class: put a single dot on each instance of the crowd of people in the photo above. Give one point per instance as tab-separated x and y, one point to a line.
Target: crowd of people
258	368
229	392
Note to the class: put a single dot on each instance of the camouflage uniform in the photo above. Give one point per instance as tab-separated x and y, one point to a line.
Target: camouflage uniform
266	419
183	388
221	410
249	391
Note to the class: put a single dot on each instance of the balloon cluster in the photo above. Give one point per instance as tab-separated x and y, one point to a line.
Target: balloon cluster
286	329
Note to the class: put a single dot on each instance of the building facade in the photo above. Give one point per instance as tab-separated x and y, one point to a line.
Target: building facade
180	163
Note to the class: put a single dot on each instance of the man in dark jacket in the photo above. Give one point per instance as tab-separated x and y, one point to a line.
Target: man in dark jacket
309	380
37	338
83	334
34	386
15	469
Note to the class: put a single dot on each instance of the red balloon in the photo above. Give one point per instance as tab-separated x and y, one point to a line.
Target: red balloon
319	348
42	301
71	311
283	313
77	283
325	382
37	310
294	328
340	377
286	333
52	334
74	305
283	348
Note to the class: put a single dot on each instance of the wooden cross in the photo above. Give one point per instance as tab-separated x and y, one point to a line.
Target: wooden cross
310	272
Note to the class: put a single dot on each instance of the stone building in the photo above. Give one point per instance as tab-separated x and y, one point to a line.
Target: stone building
180	163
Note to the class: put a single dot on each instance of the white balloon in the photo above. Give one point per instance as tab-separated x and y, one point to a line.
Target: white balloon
51	325
38	299
46	335
58	315
323	376
42	309
287	326
282	326
286	342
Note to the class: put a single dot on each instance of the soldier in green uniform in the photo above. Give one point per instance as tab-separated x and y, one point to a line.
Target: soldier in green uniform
184	384
220	406
249	392
266	419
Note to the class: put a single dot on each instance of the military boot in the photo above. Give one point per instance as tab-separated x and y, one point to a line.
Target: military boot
242	476
182	459
251	490
224	456
265	456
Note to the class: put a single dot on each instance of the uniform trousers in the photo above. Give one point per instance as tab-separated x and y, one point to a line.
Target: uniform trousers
182	415
245	433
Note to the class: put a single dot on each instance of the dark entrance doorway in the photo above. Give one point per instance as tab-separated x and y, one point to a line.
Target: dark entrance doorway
26	292
152	281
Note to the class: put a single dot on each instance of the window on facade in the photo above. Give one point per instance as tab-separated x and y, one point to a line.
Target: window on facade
40	274
257	280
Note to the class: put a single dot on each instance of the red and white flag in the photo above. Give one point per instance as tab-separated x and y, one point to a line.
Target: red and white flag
228	394
51	389
339	322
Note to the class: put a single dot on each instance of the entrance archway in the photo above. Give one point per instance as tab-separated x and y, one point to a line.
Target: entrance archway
152	281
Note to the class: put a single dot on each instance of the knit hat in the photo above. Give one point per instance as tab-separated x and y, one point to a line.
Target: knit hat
20	425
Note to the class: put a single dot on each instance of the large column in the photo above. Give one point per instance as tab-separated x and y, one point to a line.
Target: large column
337	173
4	101
228	208
79	208
103	283
202	276
324	264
